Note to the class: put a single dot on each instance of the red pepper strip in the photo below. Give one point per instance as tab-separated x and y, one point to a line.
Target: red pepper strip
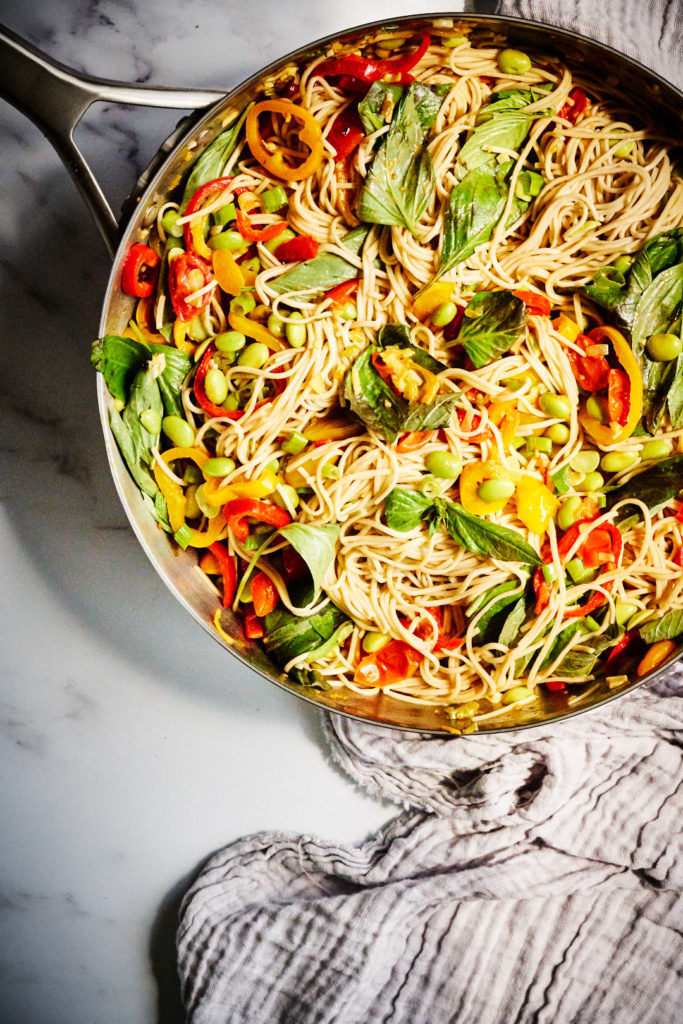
601	547
253	626
373	70
414	440
217	410
264	594
343	292
591	372
577	101
556	684
227	565
356	86
392	663
302	248
618	396
238	509
630	645
193	231
346	133
678	558
448	644
180	287
139	273
603	550
476	420
537	305
258	234
293	564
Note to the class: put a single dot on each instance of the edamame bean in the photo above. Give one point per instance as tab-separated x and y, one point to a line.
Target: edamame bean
557	406
296	333
585	462
624	150
615	462
443	464
569	510
216	386
444	313
178	431
274	243
558	433
514	383
664	347
276	326
254	355
230	342
243	303
192	474
230	239
452	41
206	507
655	450
495	490
514	62
219	466
231	403
517	693
151	420
597	408
623	610
374	641
593	482
349	311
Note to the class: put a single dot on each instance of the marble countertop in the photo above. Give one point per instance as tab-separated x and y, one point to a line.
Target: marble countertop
132	747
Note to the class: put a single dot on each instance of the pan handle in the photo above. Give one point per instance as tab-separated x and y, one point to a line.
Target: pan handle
55	98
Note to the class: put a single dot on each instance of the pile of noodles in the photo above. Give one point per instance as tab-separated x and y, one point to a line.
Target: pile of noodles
594	207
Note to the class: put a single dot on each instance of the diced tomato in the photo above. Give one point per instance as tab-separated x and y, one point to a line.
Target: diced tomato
630	645
303	247
264	594
577	101
254	628
414	440
591	372
556	685
618	396
394	662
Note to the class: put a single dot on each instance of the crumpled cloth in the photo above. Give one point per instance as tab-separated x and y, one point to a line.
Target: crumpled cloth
531	877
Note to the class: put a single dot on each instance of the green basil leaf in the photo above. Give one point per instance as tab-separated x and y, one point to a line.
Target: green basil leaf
668	627
401	178
377	107
484	538
500	123
177	365
134	441
211	162
474	208
581	662
496	612
287	635
656	486
316	545
658	309
404	509
499	322
510	628
118	360
320	274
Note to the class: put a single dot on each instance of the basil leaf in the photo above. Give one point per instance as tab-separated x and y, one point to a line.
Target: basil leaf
501	123
118	360
474	208
214	158
495	614
509	630
316	545
177	365
377	107
401	178
668	627
655	486
484	538
375	402
287	635
404	509
658	309
500	319
320	274
674	399
134	441
578	662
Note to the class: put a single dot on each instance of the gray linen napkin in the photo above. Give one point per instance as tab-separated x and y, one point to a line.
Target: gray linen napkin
532	877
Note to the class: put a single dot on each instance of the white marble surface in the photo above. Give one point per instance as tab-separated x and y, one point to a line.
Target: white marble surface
131	745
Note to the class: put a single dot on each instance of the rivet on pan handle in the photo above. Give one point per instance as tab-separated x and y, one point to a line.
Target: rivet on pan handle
55	98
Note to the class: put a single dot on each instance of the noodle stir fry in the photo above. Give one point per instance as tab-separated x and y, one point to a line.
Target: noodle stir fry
406	370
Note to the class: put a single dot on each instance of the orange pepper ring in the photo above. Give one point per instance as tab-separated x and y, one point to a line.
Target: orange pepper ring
310	135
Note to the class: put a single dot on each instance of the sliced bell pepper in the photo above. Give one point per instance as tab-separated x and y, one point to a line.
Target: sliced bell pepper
394	662
567	327
227	272
304	247
615	432
601	547
254	628
536	504
227	566
339	295
144	318
471	478
200	393
396	68
172	491
629	645
591	372
253	329
258	234
577	101
237	510
537	305
218	493
275	162
188	273
264	594
414	440
140	271
346	133
193	230
431	298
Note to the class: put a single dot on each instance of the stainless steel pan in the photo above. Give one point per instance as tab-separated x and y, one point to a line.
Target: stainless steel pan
55	98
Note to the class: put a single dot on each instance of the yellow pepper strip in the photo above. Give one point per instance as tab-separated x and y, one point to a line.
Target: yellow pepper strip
536	504
176	501
332	430
431	298
227	272
180	337
249	274
506	417
255	330
216	529
612	433
274	162
568	328
144	317
471	479
217	493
